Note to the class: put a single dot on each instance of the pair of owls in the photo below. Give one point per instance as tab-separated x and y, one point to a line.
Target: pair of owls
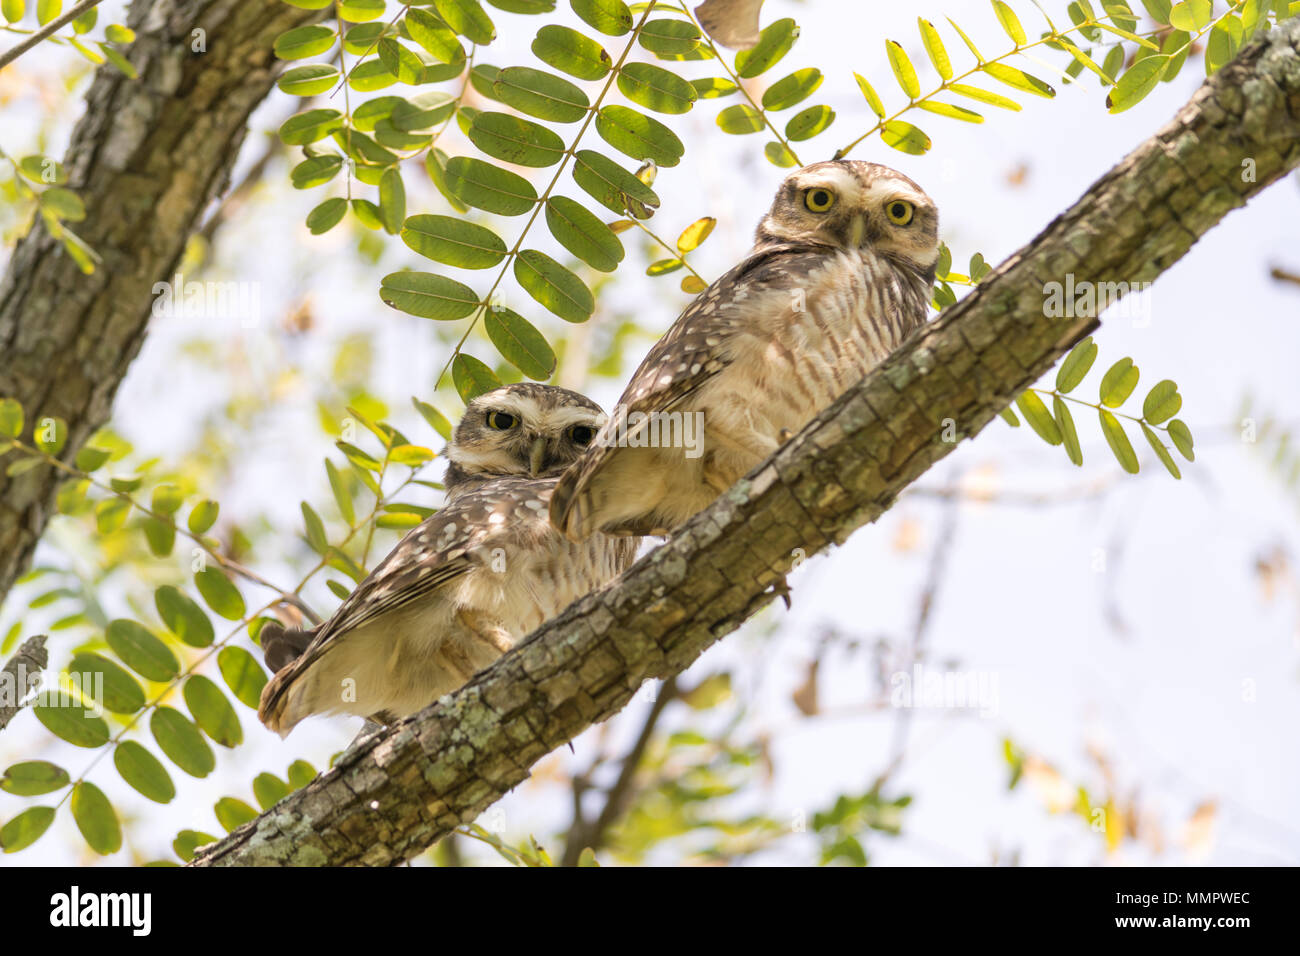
546	498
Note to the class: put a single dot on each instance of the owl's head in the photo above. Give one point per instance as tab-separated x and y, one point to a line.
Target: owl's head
521	429
850	204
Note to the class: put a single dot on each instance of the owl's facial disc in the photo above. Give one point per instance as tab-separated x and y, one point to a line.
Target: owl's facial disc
523	430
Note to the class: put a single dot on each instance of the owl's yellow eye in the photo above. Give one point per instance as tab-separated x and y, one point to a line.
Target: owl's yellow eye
819	200
899	212
501	421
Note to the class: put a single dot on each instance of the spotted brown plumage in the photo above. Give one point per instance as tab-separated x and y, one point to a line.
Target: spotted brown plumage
842	269
464	585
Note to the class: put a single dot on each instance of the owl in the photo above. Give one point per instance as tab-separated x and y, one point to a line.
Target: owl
463	586
842	269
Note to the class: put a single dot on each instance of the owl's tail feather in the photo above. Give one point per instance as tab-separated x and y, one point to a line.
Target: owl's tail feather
282	645
281	707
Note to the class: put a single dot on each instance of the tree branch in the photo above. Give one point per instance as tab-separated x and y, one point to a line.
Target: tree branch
402	790
147	158
30	659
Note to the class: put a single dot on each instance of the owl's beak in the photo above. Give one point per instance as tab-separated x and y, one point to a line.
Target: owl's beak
536	456
857	231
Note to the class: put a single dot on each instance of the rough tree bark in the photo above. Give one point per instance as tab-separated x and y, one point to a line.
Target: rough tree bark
147	158
398	792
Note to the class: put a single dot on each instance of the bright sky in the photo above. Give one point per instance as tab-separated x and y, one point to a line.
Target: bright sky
1134	623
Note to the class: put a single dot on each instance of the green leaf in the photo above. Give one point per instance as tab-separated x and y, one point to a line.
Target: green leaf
694	234
1018	79
1136	82
11	418
309	80
610	17
302	42
984	96
434	36
1161	451
951	111
220	593
326	216
315	171
188	841
70	723
774	42
268	790
1118	383
242	674
1118	441
400	61
554	286
740	120
905	137
713	87
871	96
122	694
934	48
26	828
300	774
428	295
793	89
524	6
360	11
309	126
520	343
1181	436
1223	43
141	651
1069	435
583	234
904	72
212	712
1010	23
166	499
181	741
468	19
808	123
232	813
342	494
1158	9
1076	365
1192	15
315	528
63	204
436	419
778	155
516	140
453	241
570	51
13	10
31	778
1039	418
540	94
489	187
203	516
656	88
144	772
111	514
639	136
611	185
183	616
670	38
472	377
95	818
1162	402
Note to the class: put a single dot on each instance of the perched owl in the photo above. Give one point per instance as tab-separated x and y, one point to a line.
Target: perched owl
463	586
841	270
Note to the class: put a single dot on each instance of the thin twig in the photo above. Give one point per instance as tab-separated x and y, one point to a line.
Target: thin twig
14	52
32	658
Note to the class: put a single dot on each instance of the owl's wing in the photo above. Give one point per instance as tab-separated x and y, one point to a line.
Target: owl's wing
691	352
431	557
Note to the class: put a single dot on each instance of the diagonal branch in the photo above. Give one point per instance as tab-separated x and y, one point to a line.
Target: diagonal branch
16	676
404	789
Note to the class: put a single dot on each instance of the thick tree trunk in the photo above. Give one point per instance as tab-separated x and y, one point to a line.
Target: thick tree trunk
147	158
397	793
